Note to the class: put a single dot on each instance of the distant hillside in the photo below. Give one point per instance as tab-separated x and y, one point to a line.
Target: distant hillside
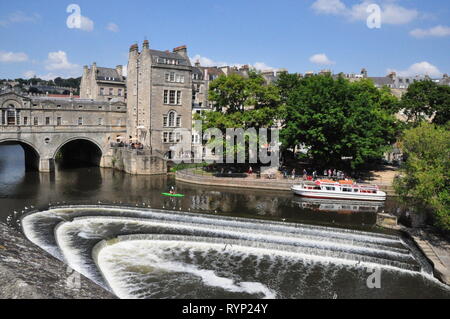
37	85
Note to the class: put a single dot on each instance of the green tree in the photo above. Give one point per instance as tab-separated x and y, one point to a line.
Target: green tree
426	179
336	119
234	92
425	99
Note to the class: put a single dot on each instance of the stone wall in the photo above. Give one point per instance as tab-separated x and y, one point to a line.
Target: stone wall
27	272
135	162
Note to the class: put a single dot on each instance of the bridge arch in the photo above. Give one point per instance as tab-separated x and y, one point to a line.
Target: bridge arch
31	152
79	151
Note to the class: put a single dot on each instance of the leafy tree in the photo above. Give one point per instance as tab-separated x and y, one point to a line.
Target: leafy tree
336	119
425	99
286	83
229	92
234	92
426	173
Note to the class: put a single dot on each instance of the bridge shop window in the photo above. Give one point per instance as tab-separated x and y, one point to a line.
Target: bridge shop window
35	121
10	116
47	121
58	120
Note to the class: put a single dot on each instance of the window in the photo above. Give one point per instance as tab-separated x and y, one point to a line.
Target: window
80	121
120	92
102	91
47	121
178	98
58	106
166	97
25	120
35	121
178	137
172	77
58	121
178	121
172	119
111	91
165	123
172	97
165	137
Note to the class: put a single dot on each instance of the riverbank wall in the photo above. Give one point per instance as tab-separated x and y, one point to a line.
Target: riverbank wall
189	176
28	272
135	162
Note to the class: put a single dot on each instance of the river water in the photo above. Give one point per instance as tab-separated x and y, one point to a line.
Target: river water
119	231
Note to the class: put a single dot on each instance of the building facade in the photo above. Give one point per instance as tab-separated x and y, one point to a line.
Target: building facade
159	100
103	84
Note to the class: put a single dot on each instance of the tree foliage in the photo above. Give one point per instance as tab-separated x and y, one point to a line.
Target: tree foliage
234	92
426	173
427	99
336	119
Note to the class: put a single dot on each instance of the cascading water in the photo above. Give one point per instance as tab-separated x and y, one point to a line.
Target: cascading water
144	253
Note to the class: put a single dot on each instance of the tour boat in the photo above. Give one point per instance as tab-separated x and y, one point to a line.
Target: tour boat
339	190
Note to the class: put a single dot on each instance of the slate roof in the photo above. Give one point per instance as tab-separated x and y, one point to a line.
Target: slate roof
108	74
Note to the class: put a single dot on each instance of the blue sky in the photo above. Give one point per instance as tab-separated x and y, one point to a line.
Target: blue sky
300	35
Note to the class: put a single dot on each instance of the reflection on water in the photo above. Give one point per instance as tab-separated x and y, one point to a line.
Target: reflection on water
19	189
163	252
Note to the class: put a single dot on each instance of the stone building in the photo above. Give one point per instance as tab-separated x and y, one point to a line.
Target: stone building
159	100
103	84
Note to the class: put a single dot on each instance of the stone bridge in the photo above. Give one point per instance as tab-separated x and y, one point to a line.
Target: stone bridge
73	129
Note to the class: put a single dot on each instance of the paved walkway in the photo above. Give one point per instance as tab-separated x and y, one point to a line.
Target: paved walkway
437	251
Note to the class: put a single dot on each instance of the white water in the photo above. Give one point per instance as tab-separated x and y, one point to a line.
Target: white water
115	259
302	244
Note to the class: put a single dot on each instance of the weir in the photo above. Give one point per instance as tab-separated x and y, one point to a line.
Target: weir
70	233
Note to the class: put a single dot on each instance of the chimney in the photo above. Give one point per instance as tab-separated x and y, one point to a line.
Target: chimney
392	75
134	47
364	72
182	50
146	45
119	70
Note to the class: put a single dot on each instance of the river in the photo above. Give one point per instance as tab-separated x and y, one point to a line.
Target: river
120	232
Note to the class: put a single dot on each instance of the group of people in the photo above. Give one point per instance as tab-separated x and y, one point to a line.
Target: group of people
330	173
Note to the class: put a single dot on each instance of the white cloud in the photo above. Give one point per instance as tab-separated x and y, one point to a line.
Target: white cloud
19	17
59	61
86	24
391	13
29	74
334	7
9	57
321	59
112	27
261	66
421	68
438	31
207	62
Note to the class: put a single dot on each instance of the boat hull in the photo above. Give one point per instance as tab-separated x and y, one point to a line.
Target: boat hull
380	196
